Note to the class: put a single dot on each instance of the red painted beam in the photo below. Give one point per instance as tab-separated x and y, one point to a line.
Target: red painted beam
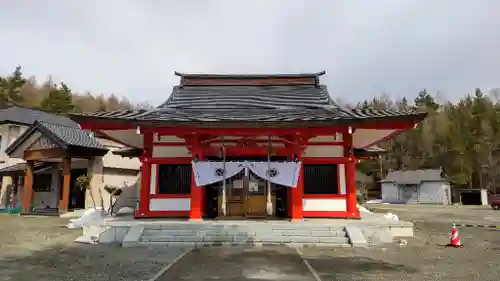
170	160
165	214
244	151
327	131
317	143
170	144
325	160
169	195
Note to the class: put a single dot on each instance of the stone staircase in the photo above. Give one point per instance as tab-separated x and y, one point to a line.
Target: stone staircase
252	233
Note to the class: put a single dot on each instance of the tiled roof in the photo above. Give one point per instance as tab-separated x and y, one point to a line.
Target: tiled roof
248	103
72	136
414	176
27	116
65	136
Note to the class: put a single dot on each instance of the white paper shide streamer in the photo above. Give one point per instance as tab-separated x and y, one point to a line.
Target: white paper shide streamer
280	173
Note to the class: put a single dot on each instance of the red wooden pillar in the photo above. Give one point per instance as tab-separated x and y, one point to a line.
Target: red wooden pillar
145	174
296	195
197	192
350	176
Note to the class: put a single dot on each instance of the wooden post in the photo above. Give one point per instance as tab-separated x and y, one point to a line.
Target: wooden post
64	202
28	186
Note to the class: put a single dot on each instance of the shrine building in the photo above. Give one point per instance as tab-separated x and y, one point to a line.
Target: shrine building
248	146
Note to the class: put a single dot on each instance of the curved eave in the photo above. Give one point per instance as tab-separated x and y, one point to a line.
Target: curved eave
130	153
97	122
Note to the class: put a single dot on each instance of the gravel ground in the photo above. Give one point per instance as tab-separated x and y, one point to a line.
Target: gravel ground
441	214
42	249
423	258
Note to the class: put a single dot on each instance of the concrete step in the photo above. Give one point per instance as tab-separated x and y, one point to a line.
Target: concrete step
241	239
249	235
256	232
242	244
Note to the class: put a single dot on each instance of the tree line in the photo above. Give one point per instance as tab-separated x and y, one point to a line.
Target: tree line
55	97
462	138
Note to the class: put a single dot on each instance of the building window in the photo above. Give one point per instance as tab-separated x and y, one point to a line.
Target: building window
320	179
174	179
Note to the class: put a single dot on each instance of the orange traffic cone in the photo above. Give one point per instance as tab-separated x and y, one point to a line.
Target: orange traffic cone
455	238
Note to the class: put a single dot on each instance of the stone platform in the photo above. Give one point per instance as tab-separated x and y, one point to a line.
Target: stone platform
308	232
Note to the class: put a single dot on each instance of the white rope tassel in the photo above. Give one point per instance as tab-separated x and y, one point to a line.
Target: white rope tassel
223	205
269	204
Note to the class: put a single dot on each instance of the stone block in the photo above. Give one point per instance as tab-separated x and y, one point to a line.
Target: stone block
181	244
172	238
333	240
304	239
120	234
317	233
297	233
356	236
267	233
217	239
133	236
170	232
221	233
273	239
240	239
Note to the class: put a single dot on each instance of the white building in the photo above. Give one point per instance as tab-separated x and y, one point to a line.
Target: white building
417	186
26	130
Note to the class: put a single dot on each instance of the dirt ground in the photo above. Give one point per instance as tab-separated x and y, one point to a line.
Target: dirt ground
424	257
41	249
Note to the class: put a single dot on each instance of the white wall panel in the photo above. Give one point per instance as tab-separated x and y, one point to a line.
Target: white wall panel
342	178
169	204
324	204
152	184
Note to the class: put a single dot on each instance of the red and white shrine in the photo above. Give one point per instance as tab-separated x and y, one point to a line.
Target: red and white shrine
232	146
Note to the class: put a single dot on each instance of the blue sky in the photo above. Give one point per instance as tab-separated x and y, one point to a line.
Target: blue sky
132	48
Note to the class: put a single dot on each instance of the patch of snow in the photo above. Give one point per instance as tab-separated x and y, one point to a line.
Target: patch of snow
86	240
363	209
125	210
89	217
374	201
391	217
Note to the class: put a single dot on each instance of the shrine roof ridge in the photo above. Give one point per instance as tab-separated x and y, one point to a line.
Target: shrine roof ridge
249	76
